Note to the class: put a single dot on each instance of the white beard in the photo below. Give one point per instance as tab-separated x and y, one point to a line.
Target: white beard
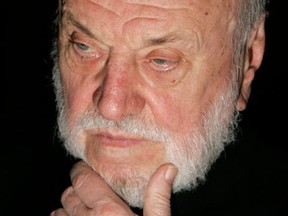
193	153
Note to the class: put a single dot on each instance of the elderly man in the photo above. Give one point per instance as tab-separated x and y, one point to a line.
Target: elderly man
149	94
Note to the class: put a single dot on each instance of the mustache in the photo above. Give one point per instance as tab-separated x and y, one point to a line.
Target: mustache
141	126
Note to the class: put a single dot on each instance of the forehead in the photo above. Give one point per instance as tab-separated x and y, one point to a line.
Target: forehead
125	7
117	4
145	17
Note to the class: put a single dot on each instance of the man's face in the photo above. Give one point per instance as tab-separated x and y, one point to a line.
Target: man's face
146	83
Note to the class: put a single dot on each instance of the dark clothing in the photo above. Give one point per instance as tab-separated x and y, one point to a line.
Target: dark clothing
249	178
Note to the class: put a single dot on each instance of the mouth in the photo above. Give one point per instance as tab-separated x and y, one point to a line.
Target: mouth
115	138
109	148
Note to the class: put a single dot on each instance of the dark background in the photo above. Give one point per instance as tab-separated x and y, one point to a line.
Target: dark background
250	178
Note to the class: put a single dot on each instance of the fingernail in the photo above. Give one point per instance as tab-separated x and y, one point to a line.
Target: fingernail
170	174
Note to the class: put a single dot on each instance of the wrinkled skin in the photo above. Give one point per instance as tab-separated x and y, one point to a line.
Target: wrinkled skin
165	60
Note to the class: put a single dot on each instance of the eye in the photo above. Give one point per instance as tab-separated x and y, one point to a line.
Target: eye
163	67
83	47
159	61
85	51
163	64
81	53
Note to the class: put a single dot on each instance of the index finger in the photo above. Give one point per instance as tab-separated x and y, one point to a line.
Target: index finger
94	192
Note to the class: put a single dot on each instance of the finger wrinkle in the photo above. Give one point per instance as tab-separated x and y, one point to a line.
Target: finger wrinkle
80	179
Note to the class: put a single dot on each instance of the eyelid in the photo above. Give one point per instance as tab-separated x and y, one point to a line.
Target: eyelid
163	74
169	64
93	51
79	44
170	58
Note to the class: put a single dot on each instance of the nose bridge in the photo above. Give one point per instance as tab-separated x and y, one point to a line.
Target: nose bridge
117	79
118	67
115	86
117	89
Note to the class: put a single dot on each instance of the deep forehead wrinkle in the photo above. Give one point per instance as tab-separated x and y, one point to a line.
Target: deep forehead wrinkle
175	4
117	6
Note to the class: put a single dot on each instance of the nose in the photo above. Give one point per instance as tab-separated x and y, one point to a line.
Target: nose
119	95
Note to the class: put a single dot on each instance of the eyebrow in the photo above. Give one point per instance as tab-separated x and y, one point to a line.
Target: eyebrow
69	18
163	40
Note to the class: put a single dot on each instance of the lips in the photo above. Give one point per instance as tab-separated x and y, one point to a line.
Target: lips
115	148
117	139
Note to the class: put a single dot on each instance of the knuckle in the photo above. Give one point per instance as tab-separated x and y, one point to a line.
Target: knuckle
58	212
109	209
68	192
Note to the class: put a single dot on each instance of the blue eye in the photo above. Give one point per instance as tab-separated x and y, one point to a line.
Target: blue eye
83	47
86	51
162	64
159	61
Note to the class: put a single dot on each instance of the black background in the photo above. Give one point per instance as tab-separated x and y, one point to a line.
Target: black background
35	167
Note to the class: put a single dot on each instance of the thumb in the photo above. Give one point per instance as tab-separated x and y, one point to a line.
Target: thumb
158	192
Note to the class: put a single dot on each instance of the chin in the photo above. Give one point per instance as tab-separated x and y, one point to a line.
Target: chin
128	182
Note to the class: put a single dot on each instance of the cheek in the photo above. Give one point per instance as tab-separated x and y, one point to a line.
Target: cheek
174	112
78	95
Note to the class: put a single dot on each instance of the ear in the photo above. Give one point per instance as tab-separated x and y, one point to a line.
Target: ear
253	58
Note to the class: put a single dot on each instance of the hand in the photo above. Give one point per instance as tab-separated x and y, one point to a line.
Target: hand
90	195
